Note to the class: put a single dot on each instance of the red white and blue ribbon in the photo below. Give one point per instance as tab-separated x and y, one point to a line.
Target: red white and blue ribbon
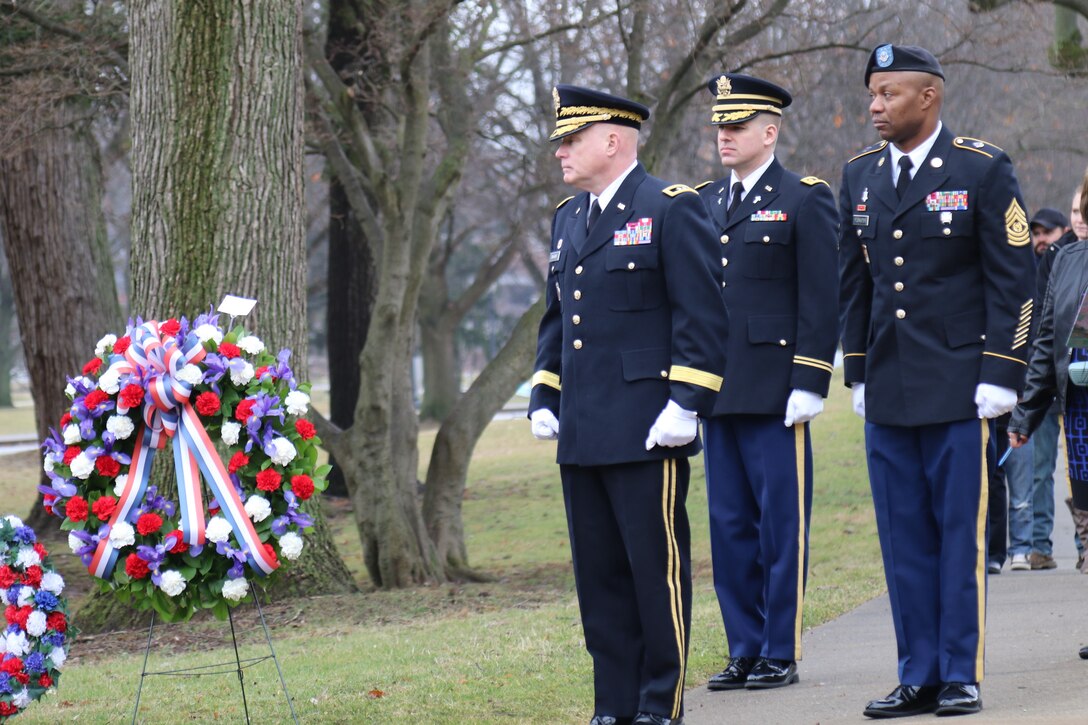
155	363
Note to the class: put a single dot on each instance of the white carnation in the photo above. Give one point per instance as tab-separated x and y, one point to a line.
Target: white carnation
35	623
218	530
70	390
172	582
110	381
17	644
101	345
190	374
26	596
58	655
291	545
82	466
235	589
74	543
27	557
122	535
209	332
251	344
258	508
14	520
121	426
71	434
230	431
47	464
241	374
52	582
296	402
119	484
280	450
21	699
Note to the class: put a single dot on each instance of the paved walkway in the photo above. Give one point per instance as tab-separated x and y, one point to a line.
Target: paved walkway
1036	623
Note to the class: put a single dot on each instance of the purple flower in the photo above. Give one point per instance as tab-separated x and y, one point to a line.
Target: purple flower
25	535
56	639
46	601
34	664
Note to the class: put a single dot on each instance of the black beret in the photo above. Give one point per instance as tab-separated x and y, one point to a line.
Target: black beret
886	58
1049	219
577	107
738	98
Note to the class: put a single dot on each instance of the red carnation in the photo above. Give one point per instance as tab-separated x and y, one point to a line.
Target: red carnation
22	677
7	576
76	508
95	398
303	486
171	327
229	350
20	615
305	429
238	460
92	366
244	409
7	709
45	681
135	567
261	371
107	466
70	453
104	506
148	524
65	419
181	547
12	665
40	550
57	622
131	395
47	503
33	576
271	552
269	479
121	345
207	403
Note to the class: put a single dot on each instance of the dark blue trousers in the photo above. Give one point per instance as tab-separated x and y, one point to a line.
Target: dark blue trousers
759	491
631	547
930	494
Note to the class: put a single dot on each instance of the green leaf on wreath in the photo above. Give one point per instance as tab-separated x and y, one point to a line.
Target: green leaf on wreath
221	610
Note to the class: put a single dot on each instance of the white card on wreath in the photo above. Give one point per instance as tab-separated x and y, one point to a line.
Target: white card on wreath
236	306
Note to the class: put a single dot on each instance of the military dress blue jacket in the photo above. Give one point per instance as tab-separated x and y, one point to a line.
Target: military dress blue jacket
634	317
936	288
779	251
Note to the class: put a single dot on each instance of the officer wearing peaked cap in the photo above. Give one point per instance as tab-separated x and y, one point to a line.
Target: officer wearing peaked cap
777	238
628	355
937	281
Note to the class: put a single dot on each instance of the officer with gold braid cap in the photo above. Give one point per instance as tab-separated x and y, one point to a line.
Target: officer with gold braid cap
629	354
937	283
778	238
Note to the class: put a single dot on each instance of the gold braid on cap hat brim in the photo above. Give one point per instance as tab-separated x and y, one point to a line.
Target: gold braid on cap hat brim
744	112
599	111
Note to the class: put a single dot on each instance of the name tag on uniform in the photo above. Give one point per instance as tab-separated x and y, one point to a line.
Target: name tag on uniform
554	256
768	215
861	220
640	232
947	201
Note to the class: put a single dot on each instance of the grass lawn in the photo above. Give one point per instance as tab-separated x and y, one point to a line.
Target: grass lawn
507	650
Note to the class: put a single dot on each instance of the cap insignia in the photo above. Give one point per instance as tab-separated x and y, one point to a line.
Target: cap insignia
724	86
884	56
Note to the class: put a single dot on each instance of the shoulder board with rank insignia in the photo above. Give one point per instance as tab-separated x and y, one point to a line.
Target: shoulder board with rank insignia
677	190
813	180
977	145
705	183
563	202
871	150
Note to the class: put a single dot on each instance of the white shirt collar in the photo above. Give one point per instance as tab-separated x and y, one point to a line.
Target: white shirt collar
609	191
917	156
749	181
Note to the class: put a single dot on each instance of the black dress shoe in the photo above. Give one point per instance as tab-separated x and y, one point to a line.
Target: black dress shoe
904	701
768	673
609	720
959	698
648	718
1083	654
734	676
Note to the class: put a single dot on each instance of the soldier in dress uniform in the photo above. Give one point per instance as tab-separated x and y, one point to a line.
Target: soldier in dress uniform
937	285
629	353
778	235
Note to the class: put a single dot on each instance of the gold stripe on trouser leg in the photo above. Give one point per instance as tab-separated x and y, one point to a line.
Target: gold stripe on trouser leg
1062	442
676	593
980	544
799	454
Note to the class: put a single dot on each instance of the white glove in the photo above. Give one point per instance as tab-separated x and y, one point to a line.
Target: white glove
802	407
674	427
545	426
994	400
859	399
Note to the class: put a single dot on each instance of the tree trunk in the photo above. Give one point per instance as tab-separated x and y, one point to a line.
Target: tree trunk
441	366
216	108
58	257
9	349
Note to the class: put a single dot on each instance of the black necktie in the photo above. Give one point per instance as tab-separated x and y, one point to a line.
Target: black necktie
904	176
594	214
734	200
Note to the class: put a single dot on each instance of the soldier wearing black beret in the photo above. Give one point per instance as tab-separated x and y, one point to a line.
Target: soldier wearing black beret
628	355
937	285
777	233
